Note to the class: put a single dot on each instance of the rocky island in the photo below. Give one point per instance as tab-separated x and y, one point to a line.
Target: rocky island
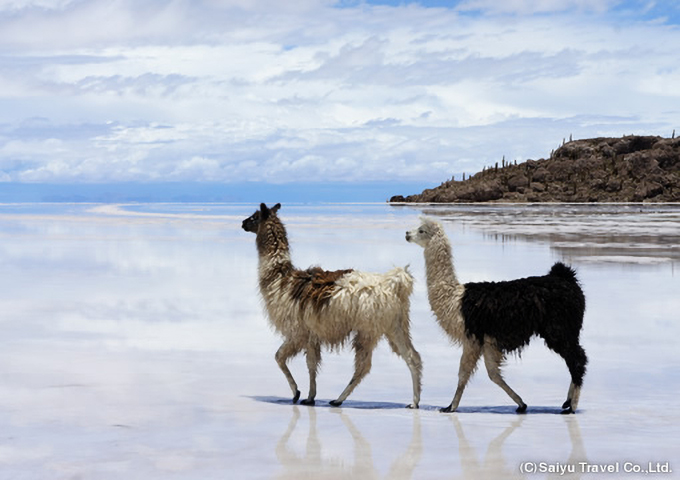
628	169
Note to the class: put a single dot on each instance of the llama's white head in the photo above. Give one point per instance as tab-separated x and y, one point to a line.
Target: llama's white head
252	223
427	230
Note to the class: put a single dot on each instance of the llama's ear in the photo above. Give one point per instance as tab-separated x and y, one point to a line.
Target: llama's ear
428	222
275	208
264	211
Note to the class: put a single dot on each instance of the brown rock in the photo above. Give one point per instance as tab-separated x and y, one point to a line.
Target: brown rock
516	182
541	175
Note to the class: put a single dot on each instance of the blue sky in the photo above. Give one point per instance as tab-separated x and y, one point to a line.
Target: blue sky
319	91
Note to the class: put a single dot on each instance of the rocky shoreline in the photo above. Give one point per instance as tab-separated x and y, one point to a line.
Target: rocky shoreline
628	169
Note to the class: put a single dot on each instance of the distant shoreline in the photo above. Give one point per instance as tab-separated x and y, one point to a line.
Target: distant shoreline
631	169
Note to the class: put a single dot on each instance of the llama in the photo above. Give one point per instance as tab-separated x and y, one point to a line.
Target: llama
313	308
495	318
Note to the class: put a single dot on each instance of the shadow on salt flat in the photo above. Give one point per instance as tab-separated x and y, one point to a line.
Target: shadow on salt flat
361	405
510	410
347	404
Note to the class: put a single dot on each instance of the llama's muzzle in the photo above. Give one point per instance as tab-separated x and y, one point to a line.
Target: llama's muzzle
248	225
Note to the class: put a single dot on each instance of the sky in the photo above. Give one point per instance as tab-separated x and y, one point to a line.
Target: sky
312	92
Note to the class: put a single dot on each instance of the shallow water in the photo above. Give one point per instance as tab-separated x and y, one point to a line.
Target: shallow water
134	346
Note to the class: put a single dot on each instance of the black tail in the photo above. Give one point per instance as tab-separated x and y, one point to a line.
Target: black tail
563	271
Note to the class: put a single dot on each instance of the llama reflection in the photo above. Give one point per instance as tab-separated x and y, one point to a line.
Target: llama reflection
578	449
494	465
313	464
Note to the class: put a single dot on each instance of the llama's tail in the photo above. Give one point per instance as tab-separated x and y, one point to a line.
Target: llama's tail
401	281
563	271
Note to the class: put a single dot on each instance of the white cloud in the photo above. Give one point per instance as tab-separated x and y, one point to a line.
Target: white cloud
526	7
235	91
15	5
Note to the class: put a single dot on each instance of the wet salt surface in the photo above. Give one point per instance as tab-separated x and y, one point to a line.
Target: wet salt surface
134	346
633	233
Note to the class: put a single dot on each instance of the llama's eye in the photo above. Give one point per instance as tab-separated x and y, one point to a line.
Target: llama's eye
421	231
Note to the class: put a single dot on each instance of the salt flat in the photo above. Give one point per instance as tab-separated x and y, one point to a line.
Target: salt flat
134	346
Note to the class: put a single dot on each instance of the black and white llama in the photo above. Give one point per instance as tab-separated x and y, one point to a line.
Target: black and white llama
492	319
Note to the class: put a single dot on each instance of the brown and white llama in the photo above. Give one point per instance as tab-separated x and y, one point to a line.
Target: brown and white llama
496	318
313	308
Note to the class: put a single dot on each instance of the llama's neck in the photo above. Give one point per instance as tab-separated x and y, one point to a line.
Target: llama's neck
274	254
443	289
439	262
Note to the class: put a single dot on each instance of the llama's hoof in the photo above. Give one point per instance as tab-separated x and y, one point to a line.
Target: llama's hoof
522	408
566	404
448	409
412	406
308	402
297	396
335	403
567	410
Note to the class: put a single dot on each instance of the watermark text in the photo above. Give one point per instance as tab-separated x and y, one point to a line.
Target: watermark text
649	468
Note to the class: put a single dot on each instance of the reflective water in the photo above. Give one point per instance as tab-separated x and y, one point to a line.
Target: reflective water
134	346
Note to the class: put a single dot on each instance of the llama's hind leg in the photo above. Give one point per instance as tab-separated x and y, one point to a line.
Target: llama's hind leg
313	354
493	358
576	360
468	363
283	354
401	344
363	352
567	405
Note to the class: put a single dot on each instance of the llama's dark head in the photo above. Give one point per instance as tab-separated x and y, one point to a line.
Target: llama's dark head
252	223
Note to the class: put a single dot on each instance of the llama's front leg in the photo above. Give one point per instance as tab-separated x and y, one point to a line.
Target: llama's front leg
468	363
313	354
283	354
363	348
493	358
